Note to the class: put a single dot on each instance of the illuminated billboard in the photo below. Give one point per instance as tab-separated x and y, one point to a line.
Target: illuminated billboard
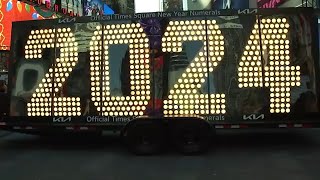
219	64
270	3
10	11
230	4
93	7
60	7
96	8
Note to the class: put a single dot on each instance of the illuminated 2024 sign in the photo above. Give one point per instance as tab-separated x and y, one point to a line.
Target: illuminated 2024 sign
269	37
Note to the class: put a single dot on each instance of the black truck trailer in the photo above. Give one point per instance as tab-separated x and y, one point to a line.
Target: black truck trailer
165	76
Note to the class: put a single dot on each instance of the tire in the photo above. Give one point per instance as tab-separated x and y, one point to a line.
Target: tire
145	137
191	136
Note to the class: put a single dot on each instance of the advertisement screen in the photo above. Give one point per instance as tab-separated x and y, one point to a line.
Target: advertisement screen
270	3
10	11
74	6
93	7
230	4
60	7
142	6
96	7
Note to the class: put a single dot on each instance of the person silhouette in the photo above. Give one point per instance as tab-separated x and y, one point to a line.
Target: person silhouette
4	99
3	86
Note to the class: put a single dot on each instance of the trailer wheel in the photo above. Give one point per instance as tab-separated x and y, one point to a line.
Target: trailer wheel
144	137
191	136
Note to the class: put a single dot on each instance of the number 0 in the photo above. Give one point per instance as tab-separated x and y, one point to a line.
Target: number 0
133	35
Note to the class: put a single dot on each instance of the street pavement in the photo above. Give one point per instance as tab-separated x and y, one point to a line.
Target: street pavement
235	155
4	133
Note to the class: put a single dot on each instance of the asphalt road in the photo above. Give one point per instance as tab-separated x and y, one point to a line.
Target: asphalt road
240	155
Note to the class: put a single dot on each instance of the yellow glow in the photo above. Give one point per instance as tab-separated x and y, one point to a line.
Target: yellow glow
42	92
277	78
140	78
184	97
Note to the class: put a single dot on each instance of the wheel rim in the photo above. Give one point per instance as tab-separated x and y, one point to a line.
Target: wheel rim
145	139
192	138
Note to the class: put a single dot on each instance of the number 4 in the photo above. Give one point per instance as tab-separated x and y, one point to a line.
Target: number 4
278	75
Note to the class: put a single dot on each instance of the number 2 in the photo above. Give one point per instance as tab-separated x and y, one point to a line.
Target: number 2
184	98
42	103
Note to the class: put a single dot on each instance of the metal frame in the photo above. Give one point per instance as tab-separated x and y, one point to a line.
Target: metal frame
309	3
82	123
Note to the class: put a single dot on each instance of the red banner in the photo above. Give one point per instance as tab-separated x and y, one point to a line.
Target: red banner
10	11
